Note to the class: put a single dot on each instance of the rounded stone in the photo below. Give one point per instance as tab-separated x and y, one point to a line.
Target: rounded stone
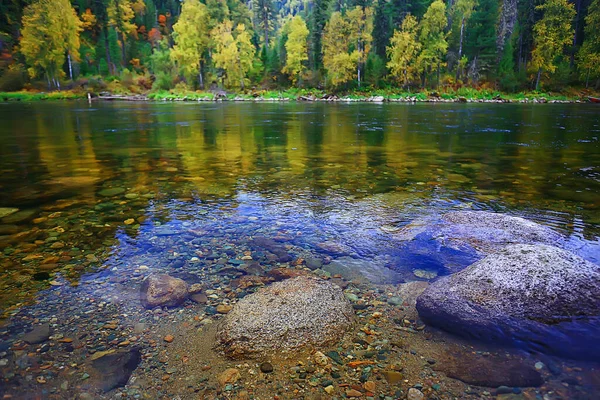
163	290
286	315
536	296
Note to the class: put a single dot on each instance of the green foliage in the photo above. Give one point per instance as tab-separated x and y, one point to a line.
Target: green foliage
506	69
480	43
588	58
432	37
551	34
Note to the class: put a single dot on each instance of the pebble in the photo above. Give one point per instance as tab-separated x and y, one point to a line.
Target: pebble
539	365
329	389
168	338
370	386
353	393
393	377
415	394
230	375
266	367
224	308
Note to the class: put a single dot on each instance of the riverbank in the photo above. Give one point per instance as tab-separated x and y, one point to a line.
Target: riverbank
464	95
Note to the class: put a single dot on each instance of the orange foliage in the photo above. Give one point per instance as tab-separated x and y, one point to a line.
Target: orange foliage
154	36
162	20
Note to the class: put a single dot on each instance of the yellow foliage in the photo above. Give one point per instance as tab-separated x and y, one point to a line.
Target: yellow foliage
296	47
403	51
50	31
233	55
191	36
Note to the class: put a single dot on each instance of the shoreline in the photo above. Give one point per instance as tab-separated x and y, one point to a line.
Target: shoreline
283	97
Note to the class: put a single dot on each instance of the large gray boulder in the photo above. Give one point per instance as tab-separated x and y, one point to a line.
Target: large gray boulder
538	296
459	238
286	315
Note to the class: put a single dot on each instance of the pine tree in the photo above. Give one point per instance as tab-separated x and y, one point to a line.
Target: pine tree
264	14
551	34
480	43
191	36
317	22
403	50
296	49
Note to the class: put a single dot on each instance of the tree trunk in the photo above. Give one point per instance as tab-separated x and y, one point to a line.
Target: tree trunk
70	66
438	76
537	80
200	80
124	61
462	30
108	60
577	11
587	78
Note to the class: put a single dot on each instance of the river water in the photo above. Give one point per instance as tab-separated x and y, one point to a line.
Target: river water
103	194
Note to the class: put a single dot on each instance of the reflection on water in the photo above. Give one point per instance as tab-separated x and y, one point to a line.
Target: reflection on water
188	188
77	173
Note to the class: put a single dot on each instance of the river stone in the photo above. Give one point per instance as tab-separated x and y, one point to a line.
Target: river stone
499	229
537	296
113	370
286	316
39	334
459	238
490	371
6	211
110	192
19	216
163	290
362	271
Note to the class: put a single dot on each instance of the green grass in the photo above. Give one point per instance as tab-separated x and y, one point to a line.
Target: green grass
31	96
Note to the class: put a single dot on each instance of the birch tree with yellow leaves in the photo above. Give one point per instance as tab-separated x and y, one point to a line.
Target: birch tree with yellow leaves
296	48
50	34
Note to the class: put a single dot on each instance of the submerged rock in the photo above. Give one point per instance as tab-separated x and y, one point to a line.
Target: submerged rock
537	296
460	238
490	371
163	290
362	271
113	370
38	334
284	316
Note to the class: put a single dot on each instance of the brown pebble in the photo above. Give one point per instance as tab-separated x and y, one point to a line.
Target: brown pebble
124	343
223	308
392	377
230	375
370	386
168	338
353	393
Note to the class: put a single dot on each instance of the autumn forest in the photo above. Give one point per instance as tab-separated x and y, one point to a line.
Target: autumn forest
153	45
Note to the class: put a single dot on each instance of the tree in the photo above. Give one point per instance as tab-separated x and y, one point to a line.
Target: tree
551	34
233	55
120	16
480	41
339	63
360	22
296	48
403	50
317	21
264	13
50	32
588	58
191	36
462	11
432	38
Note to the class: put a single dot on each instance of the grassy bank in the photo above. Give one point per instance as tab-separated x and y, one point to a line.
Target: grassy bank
294	94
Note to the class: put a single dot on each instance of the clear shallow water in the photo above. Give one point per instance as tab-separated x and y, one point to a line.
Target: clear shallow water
184	188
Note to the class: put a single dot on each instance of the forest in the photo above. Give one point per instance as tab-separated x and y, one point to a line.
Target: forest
141	46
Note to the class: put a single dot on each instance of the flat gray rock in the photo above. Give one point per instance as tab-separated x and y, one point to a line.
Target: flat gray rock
362	271
39	334
537	296
163	290
286	315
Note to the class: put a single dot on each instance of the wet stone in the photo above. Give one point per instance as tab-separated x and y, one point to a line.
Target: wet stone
111	192
39	334
113	370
